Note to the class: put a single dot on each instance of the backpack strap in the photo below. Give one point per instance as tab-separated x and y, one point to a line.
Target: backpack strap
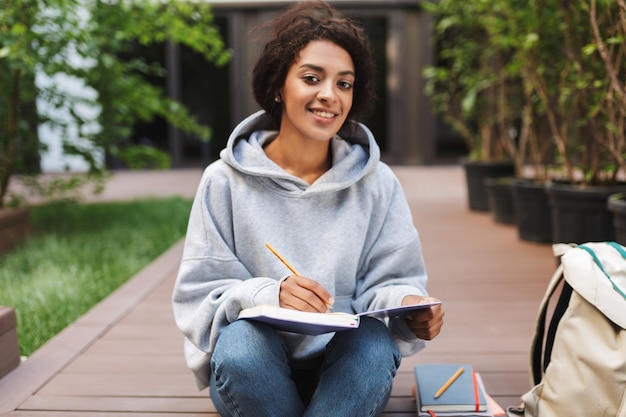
559	311
538	361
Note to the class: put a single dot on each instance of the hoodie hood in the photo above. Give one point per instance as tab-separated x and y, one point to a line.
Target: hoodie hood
355	155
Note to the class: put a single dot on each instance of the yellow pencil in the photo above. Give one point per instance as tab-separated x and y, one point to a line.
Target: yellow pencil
288	265
449	382
283	260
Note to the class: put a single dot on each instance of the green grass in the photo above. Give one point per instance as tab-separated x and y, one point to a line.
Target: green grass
80	253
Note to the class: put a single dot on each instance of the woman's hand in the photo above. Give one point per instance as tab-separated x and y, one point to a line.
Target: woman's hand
304	294
426	323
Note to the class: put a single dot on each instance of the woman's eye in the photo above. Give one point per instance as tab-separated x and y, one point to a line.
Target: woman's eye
310	79
345	85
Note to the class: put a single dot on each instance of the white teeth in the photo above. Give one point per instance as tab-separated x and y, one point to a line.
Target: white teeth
323	114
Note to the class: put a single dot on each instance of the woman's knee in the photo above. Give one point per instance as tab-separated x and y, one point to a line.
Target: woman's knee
245	344
378	341
371	342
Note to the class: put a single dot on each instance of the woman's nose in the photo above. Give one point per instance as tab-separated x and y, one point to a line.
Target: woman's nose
327	92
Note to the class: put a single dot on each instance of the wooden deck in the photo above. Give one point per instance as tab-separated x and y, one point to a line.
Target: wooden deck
124	357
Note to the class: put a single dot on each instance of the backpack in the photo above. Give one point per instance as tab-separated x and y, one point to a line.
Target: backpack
580	370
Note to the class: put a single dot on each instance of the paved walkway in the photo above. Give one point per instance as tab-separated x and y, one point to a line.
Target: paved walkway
126	185
124	357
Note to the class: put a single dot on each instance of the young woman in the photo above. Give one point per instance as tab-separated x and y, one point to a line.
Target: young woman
304	177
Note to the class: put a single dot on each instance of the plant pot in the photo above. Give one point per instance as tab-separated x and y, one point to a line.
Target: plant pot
500	199
532	206
580	214
475	174
14	227
617	206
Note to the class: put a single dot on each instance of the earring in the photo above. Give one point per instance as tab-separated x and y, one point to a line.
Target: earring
277	98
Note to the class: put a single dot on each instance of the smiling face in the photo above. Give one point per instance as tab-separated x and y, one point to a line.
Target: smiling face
317	94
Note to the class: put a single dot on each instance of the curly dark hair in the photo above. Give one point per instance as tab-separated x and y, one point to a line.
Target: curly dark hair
291	32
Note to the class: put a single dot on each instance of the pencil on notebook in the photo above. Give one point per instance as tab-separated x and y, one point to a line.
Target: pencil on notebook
449	382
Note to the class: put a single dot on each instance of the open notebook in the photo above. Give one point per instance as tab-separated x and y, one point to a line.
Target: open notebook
317	323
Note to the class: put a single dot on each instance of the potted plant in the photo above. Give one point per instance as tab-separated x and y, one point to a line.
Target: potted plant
617	111
466	86
570	57
583	94
89	42
528	31
520	198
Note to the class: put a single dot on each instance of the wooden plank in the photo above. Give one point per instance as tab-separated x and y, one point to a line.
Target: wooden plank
506	383
135	347
152	384
401	404
507	401
124	363
120	404
153	312
492	361
145	331
71	413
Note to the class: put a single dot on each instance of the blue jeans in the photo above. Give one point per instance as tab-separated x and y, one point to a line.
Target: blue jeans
252	375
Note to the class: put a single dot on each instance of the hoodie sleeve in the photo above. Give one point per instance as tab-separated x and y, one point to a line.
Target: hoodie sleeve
212	285
394	265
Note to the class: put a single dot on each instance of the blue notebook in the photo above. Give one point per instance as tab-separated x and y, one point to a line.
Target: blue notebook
460	396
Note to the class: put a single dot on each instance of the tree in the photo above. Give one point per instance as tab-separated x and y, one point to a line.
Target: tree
92	41
472	84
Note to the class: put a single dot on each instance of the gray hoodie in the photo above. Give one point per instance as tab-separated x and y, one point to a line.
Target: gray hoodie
351	230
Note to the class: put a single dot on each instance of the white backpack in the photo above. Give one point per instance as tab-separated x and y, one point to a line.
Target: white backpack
580	370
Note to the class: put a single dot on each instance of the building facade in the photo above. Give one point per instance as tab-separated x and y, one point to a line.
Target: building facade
402	120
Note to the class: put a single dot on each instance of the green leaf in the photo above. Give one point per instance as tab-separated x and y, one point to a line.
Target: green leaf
19	29
589	49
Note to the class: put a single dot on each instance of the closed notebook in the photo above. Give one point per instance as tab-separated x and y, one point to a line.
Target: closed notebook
464	394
